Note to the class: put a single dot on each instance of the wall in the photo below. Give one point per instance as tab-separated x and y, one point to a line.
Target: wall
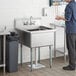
11	9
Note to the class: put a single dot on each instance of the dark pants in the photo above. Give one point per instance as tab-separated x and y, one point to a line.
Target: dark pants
71	46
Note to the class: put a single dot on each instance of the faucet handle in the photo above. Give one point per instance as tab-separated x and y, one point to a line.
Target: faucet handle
33	22
25	23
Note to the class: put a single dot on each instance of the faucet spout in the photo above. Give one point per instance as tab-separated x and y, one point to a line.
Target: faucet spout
31	20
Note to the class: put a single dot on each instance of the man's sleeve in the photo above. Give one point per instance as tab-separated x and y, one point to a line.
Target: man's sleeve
68	13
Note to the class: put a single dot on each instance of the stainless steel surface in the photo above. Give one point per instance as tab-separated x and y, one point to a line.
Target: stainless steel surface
1	65
31	20
50	56
2	29
38	54
35	36
40	28
4	49
26	23
55	49
4	52
36	59
21	58
31	58
38	65
1	48
55	42
33	39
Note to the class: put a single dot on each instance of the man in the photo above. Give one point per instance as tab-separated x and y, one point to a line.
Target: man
70	25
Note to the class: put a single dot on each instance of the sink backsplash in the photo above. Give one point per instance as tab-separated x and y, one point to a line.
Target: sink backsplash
22	22
2	28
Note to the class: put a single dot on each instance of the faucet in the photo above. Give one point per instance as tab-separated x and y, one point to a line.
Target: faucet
31	22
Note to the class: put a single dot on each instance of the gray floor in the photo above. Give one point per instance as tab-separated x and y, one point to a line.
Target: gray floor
56	69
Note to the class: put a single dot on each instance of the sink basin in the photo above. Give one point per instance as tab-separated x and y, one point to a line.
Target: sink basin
35	28
37	36
40	28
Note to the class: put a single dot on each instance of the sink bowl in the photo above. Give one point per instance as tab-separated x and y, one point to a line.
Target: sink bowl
37	36
40	28
35	28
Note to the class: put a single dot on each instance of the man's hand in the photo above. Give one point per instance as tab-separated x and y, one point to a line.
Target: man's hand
59	18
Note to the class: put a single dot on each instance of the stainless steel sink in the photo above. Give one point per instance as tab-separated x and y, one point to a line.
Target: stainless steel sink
36	37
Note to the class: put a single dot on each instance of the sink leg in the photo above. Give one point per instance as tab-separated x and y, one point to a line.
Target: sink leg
36	65
4	53
36	59
55	43
21	54
31	58
38	54
50	56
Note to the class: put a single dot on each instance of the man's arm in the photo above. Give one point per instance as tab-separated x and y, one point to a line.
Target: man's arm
60	18
68	15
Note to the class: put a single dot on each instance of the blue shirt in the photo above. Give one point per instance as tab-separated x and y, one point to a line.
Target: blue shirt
70	16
